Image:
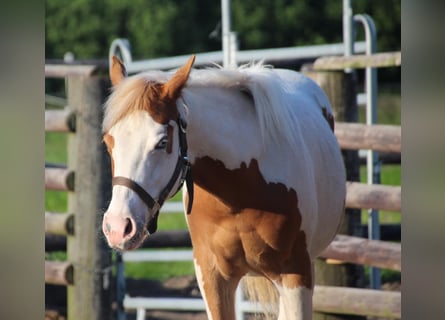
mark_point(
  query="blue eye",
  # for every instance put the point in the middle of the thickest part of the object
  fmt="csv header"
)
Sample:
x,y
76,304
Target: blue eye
x,y
162,144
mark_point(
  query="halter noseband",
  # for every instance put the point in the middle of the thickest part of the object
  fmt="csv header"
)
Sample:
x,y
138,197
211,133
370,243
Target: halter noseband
x,y
182,171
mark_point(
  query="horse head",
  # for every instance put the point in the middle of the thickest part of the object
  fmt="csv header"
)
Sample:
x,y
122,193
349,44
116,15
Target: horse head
x,y
145,137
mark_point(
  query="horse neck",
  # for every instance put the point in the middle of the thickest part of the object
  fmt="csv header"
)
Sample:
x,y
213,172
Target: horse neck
x,y
222,125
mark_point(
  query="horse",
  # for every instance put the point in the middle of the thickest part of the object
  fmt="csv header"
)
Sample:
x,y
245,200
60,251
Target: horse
x,y
264,177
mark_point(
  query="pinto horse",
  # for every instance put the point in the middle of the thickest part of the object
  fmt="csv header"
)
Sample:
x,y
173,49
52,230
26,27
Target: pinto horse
x,y
265,178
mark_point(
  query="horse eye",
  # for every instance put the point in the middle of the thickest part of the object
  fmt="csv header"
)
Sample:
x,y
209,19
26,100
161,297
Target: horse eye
x,y
162,144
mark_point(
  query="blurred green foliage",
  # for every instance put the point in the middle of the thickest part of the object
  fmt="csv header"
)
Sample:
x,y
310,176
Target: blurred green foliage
x,y
168,27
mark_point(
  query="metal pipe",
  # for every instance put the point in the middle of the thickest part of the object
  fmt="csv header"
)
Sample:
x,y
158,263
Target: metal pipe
x,y
233,50
122,45
372,159
245,56
225,16
348,30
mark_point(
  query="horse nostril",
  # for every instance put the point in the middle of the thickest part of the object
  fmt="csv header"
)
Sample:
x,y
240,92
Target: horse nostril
x,y
128,227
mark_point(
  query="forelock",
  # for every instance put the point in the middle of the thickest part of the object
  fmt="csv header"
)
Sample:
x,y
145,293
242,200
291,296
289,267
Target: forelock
x,y
132,94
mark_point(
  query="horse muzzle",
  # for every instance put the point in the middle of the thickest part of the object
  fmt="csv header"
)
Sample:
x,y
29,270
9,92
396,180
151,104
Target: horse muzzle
x,y
122,232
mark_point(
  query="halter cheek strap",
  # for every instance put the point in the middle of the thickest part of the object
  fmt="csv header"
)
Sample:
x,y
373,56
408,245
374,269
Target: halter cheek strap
x,y
187,168
182,171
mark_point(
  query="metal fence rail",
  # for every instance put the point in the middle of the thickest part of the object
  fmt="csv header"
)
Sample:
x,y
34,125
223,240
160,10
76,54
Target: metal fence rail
x,y
244,56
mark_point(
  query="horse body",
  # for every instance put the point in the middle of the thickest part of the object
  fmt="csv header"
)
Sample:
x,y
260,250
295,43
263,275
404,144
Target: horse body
x,y
269,182
227,119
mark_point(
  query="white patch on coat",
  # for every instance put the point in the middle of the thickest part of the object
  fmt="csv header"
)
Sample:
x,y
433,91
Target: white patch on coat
x,y
295,303
200,280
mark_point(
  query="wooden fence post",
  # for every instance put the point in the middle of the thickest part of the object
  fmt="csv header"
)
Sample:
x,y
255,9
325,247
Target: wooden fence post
x,y
90,296
340,87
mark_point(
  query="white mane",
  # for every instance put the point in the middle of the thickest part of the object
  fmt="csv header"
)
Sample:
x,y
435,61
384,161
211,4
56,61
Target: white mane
x,y
279,117
276,116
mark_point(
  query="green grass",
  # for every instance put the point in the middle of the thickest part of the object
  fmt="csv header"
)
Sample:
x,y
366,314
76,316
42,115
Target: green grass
x,y
388,109
55,147
56,152
386,275
56,256
56,201
158,270
172,221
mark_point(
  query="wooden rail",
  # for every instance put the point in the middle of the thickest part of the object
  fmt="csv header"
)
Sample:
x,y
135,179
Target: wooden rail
x,y
59,223
59,272
381,254
63,70
377,60
60,179
60,120
356,136
380,197
354,301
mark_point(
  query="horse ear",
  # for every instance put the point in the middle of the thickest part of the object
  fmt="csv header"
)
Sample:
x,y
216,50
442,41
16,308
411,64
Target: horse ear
x,y
172,89
117,71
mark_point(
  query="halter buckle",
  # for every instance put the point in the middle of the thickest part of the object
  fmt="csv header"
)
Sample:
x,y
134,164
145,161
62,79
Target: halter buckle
x,y
156,206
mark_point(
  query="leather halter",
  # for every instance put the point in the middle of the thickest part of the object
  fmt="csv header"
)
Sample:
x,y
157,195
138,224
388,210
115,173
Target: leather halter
x,y
182,171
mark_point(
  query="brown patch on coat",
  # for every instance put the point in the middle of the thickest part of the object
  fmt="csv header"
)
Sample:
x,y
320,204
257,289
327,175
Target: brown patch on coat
x,y
141,95
248,224
173,88
109,142
329,118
